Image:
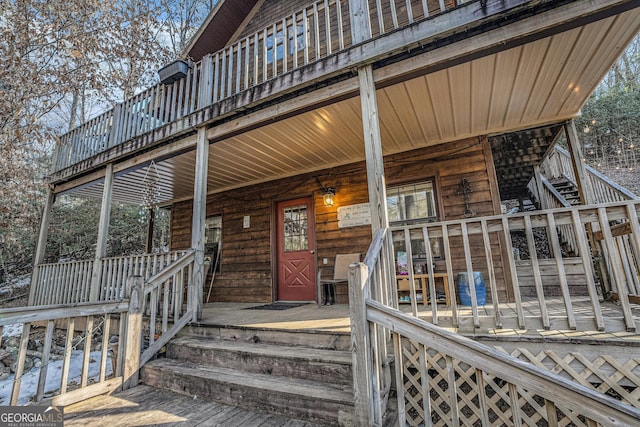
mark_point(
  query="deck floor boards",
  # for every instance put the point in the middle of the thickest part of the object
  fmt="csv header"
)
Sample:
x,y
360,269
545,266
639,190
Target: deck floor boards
x,y
335,318
148,406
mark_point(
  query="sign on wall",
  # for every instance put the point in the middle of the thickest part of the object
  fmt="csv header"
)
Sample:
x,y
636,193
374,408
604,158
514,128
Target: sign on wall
x,y
354,215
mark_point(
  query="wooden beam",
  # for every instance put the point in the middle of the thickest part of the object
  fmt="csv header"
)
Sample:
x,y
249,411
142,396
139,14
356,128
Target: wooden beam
x,y
373,151
582,180
199,217
103,232
42,242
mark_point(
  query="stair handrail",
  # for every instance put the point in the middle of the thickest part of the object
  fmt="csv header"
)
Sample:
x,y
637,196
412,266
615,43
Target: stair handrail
x,y
559,198
372,321
556,390
170,270
165,292
596,177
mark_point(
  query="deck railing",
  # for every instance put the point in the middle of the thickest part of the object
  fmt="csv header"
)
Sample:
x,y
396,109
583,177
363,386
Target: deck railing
x,y
558,164
445,379
541,270
310,34
85,367
106,343
70,282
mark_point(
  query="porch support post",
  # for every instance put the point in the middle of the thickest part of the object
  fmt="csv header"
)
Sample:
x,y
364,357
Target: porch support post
x,y
386,291
585,190
360,26
42,243
582,180
103,233
373,151
199,217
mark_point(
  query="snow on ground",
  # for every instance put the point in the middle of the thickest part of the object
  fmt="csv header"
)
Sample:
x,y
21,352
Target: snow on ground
x,y
18,282
54,373
11,330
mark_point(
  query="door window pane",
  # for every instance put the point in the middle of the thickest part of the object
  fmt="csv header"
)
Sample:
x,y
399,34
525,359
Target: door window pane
x,y
295,228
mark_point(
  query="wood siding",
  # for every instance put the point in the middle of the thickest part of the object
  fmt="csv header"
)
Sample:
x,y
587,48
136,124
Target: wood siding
x,y
247,271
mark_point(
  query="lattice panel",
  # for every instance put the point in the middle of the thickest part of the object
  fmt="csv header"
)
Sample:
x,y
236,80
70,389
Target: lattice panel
x,y
604,373
464,403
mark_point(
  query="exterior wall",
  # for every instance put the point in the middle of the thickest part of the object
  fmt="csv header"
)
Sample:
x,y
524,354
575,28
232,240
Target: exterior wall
x,y
247,270
269,12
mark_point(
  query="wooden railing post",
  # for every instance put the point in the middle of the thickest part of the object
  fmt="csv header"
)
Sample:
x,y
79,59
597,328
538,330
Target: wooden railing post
x,y
42,243
359,15
360,344
133,339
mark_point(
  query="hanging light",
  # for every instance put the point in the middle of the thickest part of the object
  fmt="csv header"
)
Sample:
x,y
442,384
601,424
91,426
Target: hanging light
x,y
328,193
328,196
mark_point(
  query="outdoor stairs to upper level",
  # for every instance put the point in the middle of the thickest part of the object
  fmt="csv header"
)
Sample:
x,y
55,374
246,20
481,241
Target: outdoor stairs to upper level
x,y
300,374
567,189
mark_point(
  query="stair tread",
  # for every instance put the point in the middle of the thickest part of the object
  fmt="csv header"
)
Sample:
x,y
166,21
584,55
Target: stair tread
x,y
292,352
293,386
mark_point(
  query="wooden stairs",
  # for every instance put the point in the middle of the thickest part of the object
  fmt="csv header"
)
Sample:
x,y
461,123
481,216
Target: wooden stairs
x,y
567,189
304,375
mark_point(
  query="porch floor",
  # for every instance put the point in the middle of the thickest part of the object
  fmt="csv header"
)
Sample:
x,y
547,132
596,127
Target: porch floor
x,y
146,406
335,318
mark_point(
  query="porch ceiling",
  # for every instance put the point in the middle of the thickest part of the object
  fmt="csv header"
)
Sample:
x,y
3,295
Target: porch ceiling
x,y
538,83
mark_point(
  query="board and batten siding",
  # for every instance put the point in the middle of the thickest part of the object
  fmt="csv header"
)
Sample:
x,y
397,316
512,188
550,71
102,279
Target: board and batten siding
x,y
248,254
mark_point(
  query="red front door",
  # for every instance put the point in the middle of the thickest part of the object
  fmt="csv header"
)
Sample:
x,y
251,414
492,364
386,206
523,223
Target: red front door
x,y
296,249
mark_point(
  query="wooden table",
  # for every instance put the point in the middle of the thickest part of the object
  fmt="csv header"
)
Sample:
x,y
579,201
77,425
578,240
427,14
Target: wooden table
x,y
403,284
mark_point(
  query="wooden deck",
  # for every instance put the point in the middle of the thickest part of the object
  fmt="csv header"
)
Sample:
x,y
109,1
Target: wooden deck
x,y
144,405
335,318
147,406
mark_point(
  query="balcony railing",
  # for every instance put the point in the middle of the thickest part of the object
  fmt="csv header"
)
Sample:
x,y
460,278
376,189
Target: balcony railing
x,y
311,34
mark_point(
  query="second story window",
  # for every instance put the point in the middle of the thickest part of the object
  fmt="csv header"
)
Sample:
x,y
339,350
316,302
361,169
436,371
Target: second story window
x,y
295,43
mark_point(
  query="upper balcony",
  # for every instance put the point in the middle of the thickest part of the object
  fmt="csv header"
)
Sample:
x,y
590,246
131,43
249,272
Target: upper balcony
x,y
326,41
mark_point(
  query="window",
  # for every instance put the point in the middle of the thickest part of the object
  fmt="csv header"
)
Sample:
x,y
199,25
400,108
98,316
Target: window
x,y
409,203
295,43
212,239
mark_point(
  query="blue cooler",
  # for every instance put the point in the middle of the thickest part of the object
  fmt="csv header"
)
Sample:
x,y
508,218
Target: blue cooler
x,y
464,292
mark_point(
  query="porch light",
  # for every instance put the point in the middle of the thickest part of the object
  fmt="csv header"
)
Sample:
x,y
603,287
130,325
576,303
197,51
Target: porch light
x,y
328,196
328,193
